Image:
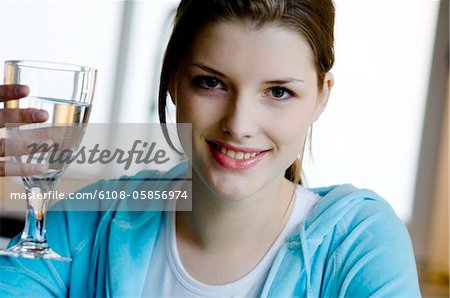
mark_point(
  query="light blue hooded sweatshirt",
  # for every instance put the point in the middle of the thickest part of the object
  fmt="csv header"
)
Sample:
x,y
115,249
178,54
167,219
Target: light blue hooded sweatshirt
x,y
350,245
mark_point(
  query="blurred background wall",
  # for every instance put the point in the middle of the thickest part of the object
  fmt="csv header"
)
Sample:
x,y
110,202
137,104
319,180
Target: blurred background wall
x,y
378,131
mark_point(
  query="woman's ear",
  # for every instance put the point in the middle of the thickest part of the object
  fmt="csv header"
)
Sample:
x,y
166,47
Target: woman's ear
x,y
324,94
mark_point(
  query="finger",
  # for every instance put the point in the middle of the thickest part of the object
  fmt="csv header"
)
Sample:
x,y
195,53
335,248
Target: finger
x,y
18,147
65,137
13,91
22,116
9,168
41,132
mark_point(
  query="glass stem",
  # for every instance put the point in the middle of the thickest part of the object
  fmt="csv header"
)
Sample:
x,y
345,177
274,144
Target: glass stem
x,y
34,230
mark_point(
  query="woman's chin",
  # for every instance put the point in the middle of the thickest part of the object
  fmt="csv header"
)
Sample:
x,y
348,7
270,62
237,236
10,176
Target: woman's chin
x,y
231,189
227,184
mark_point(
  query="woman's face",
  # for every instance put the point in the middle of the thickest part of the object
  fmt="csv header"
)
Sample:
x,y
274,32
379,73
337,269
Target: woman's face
x,y
251,95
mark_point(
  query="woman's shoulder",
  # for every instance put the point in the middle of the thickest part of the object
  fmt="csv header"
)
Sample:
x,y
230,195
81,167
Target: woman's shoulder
x,y
359,241
92,209
117,193
346,204
356,215
344,213
340,209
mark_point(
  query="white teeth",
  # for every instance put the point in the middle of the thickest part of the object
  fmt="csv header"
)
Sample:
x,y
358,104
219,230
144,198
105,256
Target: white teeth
x,y
237,155
231,153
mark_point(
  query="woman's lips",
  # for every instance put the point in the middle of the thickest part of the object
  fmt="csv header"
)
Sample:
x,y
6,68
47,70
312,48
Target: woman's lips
x,y
235,158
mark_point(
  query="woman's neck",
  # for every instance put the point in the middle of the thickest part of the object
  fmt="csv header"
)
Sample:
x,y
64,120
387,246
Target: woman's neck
x,y
216,223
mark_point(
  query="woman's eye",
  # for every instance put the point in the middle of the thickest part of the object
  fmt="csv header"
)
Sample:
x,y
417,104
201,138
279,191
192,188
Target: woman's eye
x,y
280,93
208,82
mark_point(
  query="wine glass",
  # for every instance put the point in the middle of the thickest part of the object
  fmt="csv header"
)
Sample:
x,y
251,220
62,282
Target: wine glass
x,y
65,91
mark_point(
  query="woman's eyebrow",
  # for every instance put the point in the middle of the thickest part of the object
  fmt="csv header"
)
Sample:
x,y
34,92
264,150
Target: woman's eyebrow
x,y
218,73
208,69
284,81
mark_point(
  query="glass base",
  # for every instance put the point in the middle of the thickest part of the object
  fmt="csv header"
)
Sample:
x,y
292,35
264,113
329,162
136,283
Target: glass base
x,y
32,250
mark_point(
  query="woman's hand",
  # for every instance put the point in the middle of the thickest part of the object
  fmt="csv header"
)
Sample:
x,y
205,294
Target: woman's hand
x,y
17,146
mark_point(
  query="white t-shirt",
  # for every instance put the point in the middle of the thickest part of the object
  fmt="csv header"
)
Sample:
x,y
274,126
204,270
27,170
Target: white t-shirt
x,y
167,277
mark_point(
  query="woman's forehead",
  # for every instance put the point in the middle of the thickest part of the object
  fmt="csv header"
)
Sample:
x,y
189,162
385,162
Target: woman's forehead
x,y
269,48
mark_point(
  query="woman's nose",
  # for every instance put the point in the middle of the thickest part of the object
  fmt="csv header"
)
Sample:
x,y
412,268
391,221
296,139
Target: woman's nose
x,y
240,119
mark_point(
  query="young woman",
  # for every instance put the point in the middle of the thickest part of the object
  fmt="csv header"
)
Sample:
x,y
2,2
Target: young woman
x,y
251,77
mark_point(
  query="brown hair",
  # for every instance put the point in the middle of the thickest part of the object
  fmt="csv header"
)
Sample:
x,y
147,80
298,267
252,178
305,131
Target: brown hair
x,y
313,19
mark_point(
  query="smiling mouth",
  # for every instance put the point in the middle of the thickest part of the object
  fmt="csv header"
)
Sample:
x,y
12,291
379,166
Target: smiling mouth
x,y
239,154
235,158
